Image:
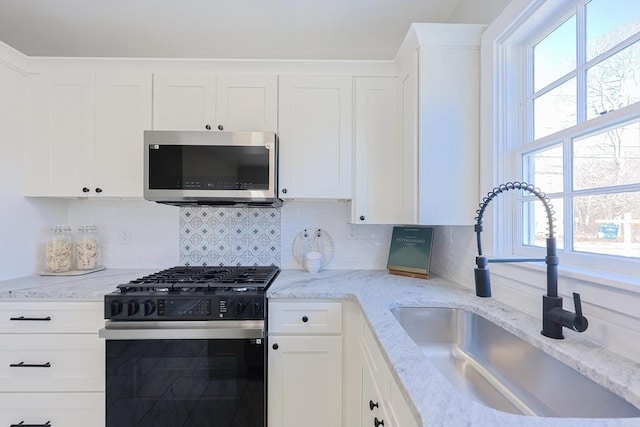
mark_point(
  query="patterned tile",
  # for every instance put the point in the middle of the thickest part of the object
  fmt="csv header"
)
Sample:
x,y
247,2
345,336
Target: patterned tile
x,y
229,236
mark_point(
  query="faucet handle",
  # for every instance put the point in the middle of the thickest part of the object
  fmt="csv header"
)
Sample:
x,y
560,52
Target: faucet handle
x,y
577,304
580,323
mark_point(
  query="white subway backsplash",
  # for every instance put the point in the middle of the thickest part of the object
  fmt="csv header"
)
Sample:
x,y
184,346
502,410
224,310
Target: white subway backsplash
x,y
157,240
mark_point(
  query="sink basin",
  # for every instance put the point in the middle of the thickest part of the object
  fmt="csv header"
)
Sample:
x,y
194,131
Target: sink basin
x,y
500,370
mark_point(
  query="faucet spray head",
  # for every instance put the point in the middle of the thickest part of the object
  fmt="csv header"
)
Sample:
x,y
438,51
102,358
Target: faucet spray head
x,y
482,276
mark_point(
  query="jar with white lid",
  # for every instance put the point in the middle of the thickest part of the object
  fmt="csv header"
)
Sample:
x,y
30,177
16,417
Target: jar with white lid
x,y
88,249
59,250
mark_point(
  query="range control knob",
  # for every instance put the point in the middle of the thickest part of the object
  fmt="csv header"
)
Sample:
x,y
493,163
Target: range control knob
x,y
115,308
236,308
254,309
149,307
132,307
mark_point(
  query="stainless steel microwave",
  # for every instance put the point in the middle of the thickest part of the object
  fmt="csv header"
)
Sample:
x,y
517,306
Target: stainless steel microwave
x,y
211,168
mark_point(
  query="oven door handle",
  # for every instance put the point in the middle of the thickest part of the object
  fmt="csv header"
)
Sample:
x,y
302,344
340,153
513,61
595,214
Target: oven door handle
x,y
177,330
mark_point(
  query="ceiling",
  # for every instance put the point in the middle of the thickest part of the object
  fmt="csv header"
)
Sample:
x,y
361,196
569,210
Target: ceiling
x,y
232,29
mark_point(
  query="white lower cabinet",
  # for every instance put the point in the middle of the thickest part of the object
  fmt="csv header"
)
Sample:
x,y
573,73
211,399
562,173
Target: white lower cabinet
x,y
304,364
51,364
381,401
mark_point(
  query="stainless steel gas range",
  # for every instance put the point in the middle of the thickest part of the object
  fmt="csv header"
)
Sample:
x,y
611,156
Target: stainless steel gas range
x,y
186,347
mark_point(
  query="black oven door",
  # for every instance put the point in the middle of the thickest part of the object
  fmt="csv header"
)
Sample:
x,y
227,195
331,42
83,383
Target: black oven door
x,y
191,382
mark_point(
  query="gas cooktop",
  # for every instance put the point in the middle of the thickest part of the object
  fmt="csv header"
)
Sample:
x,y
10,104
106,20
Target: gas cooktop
x,y
204,279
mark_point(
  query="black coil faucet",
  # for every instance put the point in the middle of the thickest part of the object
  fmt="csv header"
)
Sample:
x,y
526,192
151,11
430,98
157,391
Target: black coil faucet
x,y
554,317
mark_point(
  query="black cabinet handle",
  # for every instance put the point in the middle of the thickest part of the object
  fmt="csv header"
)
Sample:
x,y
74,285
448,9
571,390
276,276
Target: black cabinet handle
x,y
39,319
220,127
207,127
22,424
373,405
98,190
85,190
284,191
305,319
275,346
377,422
30,365
361,217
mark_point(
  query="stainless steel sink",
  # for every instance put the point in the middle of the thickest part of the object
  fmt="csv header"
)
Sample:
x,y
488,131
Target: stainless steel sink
x,y
500,370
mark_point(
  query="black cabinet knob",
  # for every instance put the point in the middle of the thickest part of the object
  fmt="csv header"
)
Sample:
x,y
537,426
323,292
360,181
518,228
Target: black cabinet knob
x,y
372,404
207,127
284,191
305,319
220,127
361,217
377,422
98,190
85,190
275,346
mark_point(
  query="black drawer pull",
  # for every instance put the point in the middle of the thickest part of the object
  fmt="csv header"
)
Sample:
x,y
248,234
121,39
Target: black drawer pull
x,y
41,319
377,422
373,405
30,365
22,424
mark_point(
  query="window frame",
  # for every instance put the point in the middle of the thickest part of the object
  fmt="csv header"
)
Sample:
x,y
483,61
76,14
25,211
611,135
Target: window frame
x,y
510,58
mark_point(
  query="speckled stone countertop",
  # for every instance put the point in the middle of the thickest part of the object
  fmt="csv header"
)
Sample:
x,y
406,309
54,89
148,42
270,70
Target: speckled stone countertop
x,y
435,402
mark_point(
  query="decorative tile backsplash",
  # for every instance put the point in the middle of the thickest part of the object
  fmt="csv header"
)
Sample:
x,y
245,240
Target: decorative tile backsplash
x,y
229,236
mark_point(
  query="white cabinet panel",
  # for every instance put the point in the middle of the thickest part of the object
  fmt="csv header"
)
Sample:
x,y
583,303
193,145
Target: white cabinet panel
x,y
183,101
247,103
18,317
315,125
377,163
60,409
305,386
60,154
307,318
61,362
123,112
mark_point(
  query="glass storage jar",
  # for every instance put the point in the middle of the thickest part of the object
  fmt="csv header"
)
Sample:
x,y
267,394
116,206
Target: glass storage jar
x,y
59,250
88,250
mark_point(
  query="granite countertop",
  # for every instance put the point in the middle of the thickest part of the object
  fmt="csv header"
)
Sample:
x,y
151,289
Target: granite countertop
x,y
435,402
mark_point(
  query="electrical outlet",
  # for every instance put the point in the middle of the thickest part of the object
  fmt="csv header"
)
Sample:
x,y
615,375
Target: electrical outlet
x,y
124,236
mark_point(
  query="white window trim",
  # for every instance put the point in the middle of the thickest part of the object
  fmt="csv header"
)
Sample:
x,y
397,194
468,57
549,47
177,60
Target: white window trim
x,y
498,84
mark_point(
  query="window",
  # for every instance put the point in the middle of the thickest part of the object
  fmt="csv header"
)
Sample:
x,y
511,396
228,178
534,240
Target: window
x,y
579,133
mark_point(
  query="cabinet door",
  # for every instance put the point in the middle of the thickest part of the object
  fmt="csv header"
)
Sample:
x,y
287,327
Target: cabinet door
x,y
60,154
377,152
247,102
407,189
183,101
123,112
372,403
315,137
305,381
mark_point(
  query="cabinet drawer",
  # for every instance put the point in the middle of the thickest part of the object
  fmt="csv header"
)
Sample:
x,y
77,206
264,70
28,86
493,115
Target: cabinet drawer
x,y
305,317
51,317
60,409
44,363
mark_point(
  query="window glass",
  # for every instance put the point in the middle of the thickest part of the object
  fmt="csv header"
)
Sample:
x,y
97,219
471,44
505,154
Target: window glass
x,y
555,55
536,224
607,158
544,169
614,83
609,22
555,110
607,224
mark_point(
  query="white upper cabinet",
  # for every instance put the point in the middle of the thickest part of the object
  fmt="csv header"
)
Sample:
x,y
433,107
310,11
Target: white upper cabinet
x,y
377,161
123,112
204,101
85,133
315,126
61,125
439,68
